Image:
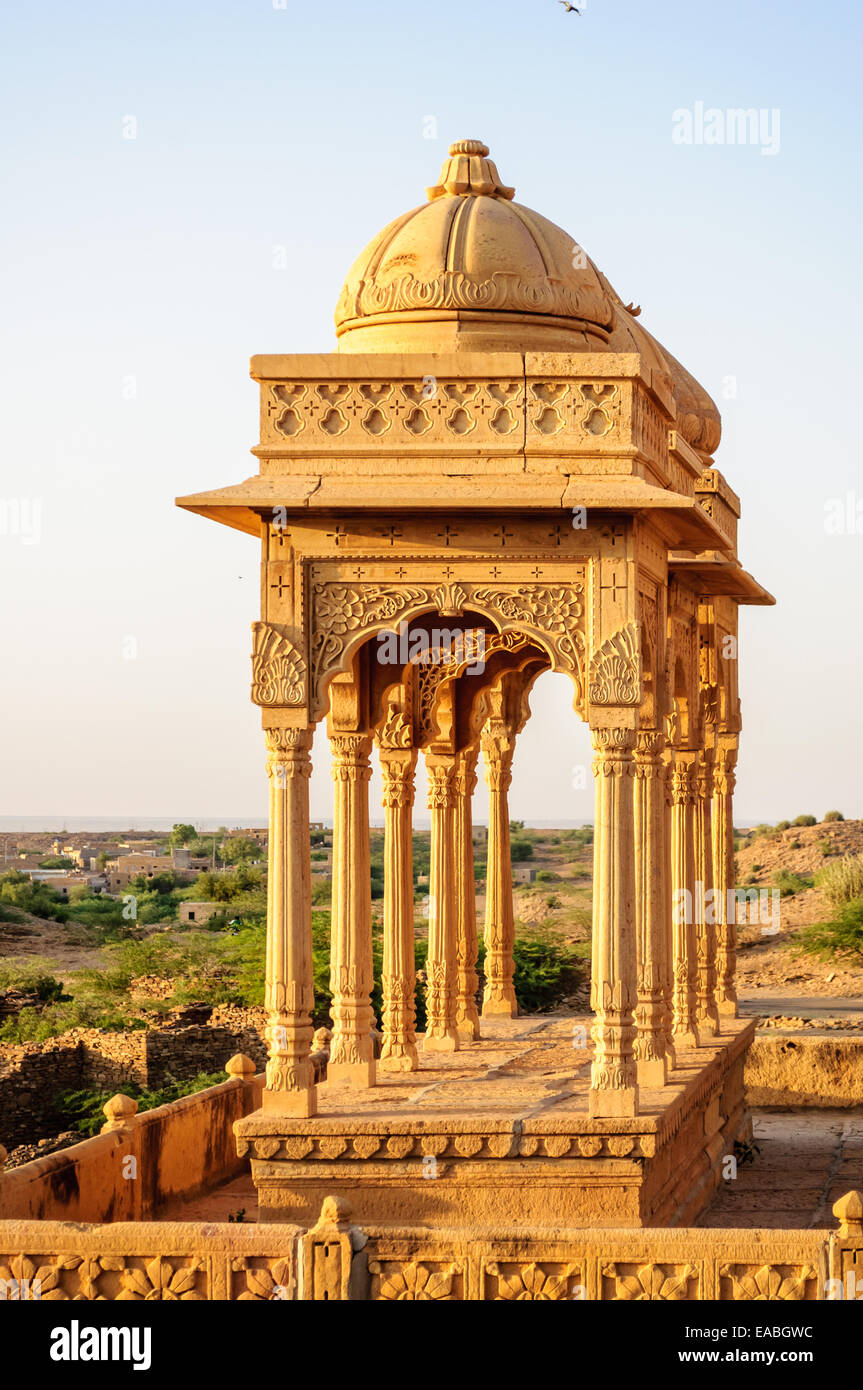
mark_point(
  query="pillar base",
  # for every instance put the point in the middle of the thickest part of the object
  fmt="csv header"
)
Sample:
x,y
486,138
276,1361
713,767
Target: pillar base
x,y
405,1059
499,1008
613,1105
686,1040
442,1042
352,1073
468,1029
303,1103
652,1073
727,1008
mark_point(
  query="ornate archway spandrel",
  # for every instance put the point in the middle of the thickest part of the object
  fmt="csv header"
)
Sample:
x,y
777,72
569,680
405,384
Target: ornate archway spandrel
x,y
279,669
615,669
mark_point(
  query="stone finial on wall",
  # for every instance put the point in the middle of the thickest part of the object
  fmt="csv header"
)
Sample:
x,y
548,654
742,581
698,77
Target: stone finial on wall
x,y
119,1112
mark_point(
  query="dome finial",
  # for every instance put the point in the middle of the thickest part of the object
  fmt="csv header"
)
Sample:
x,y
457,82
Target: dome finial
x,y
469,171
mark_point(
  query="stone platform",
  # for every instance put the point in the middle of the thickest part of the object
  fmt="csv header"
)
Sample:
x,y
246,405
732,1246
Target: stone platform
x,y
500,1132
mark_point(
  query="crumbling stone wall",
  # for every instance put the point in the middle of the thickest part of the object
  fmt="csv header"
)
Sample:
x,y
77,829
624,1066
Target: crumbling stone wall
x,y
32,1074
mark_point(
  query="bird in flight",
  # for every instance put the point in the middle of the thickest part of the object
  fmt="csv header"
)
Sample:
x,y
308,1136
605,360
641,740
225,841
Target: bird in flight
x,y
570,8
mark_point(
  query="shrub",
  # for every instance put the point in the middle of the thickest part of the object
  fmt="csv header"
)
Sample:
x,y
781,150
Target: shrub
x,y
322,892
546,970
520,850
83,1109
842,881
783,825
834,816
804,820
844,934
789,883
547,876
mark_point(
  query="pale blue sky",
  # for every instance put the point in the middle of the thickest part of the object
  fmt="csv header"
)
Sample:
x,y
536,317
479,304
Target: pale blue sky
x,y
147,264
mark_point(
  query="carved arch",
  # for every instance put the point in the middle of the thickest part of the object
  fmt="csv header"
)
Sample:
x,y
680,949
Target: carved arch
x,y
343,617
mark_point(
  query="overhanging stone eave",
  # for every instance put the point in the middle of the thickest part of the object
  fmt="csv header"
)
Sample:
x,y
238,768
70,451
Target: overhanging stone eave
x,y
722,577
684,523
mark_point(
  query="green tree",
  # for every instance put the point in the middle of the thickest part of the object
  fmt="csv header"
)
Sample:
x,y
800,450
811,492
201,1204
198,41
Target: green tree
x,y
238,848
181,835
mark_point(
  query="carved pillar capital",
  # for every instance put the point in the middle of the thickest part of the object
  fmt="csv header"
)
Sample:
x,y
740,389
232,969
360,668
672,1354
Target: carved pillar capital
x,y
613,749
498,746
397,770
351,753
649,746
680,782
441,783
289,752
465,775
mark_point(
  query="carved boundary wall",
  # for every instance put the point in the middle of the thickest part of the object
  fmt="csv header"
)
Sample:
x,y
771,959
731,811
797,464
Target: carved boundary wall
x,y
339,1260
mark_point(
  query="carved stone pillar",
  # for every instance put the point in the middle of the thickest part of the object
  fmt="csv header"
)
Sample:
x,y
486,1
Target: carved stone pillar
x,y
441,1030
614,1079
705,908
651,899
351,978
399,1049
681,792
466,1013
498,998
723,868
289,992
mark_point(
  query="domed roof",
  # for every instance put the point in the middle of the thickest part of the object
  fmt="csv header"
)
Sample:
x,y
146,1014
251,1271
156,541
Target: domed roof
x,y
471,269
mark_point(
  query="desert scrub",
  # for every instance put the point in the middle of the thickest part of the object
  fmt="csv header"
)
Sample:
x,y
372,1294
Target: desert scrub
x,y
841,936
547,969
842,881
789,883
